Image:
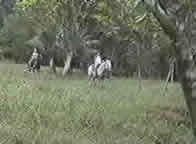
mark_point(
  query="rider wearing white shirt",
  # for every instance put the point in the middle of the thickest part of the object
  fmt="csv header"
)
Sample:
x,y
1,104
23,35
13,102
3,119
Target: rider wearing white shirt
x,y
97,61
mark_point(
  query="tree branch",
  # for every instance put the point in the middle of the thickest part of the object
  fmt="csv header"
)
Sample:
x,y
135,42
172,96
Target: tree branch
x,y
168,27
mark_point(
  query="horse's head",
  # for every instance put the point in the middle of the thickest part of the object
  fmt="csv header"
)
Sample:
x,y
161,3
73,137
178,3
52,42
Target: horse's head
x,y
108,65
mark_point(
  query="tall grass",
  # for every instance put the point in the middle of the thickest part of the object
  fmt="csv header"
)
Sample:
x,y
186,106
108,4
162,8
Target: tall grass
x,y
46,109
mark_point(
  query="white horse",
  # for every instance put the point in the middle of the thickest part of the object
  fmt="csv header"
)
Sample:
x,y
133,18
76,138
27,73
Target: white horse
x,y
104,69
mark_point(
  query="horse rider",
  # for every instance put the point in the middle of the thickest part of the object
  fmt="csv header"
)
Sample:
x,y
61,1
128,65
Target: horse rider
x,y
34,58
97,62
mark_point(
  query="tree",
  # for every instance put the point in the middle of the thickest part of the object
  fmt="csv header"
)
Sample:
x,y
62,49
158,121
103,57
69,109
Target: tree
x,y
70,17
104,25
14,35
73,16
6,7
176,19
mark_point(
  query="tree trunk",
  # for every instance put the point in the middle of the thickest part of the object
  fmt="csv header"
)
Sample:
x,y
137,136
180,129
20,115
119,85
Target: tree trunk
x,y
52,65
6,8
139,66
67,63
187,70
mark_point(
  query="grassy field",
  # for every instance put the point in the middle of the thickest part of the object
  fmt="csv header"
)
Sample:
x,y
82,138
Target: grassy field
x,y
46,109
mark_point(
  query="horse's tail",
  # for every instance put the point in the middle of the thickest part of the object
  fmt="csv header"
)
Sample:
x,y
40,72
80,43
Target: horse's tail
x,y
90,70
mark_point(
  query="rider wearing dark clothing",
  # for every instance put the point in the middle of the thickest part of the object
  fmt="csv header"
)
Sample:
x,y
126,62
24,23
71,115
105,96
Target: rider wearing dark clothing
x,y
34,62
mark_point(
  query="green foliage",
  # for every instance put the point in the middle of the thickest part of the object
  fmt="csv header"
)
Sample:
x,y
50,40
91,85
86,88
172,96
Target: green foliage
x,y
121,21
16,31
6,8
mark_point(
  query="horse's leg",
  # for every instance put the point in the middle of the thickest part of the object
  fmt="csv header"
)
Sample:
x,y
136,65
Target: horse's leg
x,y
38,71
108,75
34,67
89,80
101,82
95,79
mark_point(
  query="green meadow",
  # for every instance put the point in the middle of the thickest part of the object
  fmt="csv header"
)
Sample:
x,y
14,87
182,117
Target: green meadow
x,y
42,108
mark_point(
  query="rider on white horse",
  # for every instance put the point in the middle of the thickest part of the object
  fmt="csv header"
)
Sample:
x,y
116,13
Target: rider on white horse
x,y
97,62
102,70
